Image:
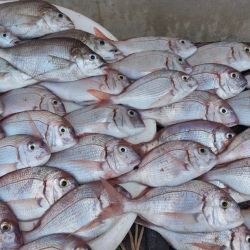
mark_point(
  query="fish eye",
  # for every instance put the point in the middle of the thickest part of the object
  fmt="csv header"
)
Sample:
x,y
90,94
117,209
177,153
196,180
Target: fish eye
x,y
248,238
185,78
4,35
92,57
115,50
229,135
102,42
247,49
62,129
233,75
131,113
223,110
224,204
122,149
5,226
182,41
202,151
55,102
63,183
60,15
180,59
31,146
121,77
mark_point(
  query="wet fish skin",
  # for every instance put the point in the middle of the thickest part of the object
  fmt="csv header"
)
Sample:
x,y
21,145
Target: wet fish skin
x,y
213,135
56,131
55,59
181,47
199,105
115,120
31,19
140,64
157,89
7,38
233,54
31,98
112,83
96,157
222,80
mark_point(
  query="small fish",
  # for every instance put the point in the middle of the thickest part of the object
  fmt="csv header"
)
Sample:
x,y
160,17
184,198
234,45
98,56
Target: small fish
x,y
30,192
157,89
213,135
55,59
232,54
10,234
115,120
171,164
7,38
21,151
82,90
221,80
140,64
241,106
199,105
103,47
181,47
56,131
31,98
31,19
57,241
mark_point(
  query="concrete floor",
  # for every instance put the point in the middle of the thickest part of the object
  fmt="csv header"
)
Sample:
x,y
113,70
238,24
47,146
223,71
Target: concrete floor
x,y
198,20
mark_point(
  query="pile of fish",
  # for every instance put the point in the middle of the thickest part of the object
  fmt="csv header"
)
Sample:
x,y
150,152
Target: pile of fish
x,y
93,130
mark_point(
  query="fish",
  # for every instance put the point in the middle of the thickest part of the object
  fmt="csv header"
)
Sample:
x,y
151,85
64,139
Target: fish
x,y
199,105
55,59
236,238
213,135
221,80
96,157
232,54
31,19
57,241
156,89
103,47
30,192
81,91
56,131
181,47
241,105
10,234
31,98
115,120
140,64
171,164
21,151
7,38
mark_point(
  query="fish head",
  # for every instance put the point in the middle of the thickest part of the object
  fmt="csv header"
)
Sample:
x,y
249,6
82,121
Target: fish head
x,y
53,104
240,56
57,21
179,63
221,211
183,48
7,38
33,152
240,238
184,81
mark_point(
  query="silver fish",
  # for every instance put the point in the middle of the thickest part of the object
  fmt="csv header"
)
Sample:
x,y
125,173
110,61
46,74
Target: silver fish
x,y
213,135
31,98
96,157
199,105
140,64
55,59
115,120
103,47
171,164
181,47
30,19
21,151
53,129
157,89
7,38
222,80
232,54
82,90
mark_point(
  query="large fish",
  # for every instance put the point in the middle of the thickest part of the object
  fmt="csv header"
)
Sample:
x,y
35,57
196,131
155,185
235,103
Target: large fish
x,y
55,59
219,79
7,38
100,46
56,131
82,90
140,64
21,151
213,135
96,157
30,19
181,47
232,54
10,234
116,120
199,105
157,89
171,164
31,98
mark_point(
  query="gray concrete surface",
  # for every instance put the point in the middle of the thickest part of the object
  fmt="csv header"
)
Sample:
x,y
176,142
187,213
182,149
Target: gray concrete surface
x,y
198,20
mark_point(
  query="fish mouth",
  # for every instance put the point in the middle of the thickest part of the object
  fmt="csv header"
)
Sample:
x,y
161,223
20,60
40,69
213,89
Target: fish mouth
x,y
135,162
